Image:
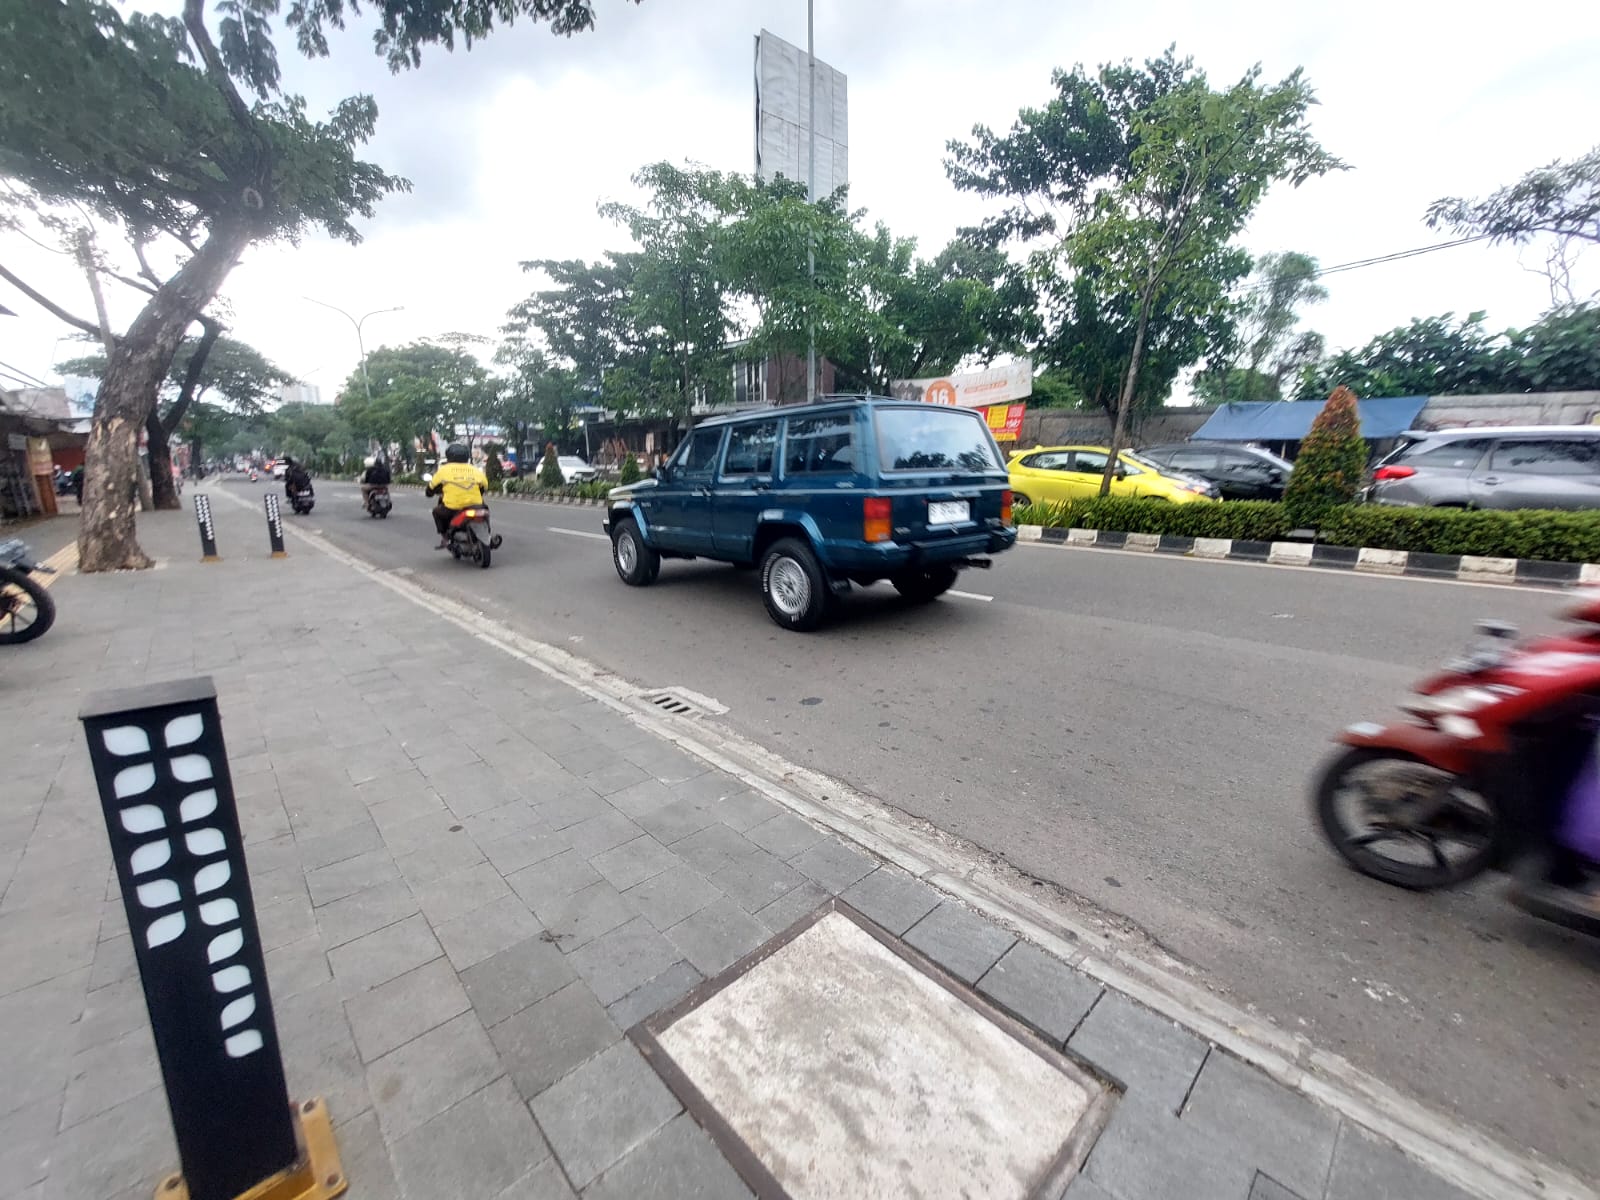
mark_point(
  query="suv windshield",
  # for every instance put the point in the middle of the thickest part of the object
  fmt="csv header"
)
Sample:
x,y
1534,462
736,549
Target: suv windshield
x,y
935,439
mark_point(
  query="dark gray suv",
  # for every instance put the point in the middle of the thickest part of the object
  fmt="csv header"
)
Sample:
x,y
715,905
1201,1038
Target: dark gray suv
x,y
1532,466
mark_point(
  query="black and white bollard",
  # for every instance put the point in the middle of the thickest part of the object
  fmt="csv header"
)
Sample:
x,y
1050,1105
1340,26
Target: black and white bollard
x,y
275,526
208,529
162,772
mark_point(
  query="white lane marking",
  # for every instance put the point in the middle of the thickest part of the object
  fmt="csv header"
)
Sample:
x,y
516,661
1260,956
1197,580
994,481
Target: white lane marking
x,y
970,595
577,532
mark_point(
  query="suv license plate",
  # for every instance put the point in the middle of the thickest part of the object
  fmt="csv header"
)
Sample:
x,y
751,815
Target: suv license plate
x,y
948,512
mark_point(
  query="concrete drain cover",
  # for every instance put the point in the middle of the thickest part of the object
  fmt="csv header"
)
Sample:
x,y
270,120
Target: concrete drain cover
x,y
836,1062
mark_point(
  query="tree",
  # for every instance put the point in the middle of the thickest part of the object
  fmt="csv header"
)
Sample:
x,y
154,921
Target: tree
x,y
1267,346
317,434
159,142
1332,462
630,469
236,373
550,475
1560,201
416,389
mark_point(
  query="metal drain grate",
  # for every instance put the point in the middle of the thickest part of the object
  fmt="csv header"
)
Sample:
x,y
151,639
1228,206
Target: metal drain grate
x,y
681,702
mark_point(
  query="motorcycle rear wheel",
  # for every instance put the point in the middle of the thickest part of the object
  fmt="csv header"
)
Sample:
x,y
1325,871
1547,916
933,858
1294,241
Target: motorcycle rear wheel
x,y
20,595
1425,810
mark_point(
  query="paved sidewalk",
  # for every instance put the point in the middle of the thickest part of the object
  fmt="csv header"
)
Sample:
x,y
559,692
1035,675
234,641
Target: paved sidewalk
x,y
468,892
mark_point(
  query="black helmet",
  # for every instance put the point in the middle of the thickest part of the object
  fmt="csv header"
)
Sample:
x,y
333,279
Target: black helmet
x,y
456,452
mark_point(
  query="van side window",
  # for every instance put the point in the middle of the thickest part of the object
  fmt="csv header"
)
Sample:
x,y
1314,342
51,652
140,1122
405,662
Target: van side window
x,y
820,445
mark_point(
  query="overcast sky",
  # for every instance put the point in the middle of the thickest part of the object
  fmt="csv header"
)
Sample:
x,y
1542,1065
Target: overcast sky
x,y
511,147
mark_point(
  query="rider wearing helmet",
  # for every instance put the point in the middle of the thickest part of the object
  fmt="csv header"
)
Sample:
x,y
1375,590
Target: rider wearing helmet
x,y
376,475
458,484
296,478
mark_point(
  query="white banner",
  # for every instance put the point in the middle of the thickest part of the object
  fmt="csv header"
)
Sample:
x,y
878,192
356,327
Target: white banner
x,y
976,389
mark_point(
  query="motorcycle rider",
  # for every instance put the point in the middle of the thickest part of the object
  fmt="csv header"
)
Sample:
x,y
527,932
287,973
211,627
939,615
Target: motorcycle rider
x,y
296,478
458,484
376,475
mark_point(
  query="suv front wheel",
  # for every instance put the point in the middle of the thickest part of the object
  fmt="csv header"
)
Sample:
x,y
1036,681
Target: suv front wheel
x,y
636,563
794,587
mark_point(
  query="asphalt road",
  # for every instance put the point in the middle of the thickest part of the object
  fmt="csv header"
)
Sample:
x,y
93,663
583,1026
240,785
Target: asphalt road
x,y
1140,730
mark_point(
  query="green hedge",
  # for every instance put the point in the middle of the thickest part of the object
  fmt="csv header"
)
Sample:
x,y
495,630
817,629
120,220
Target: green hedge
x,y
1523,533
598,490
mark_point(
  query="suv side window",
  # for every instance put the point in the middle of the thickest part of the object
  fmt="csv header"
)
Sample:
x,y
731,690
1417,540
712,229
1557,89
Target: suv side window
x,y
700,455
1548,456
1461,454
822,445
750,450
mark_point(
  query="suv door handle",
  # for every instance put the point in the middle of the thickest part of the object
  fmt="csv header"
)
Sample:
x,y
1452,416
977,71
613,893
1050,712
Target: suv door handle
x,y
702,491
761,487
1490,480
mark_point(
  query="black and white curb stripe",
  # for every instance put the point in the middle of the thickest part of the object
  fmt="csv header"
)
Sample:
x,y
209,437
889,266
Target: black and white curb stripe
x,y
1467,568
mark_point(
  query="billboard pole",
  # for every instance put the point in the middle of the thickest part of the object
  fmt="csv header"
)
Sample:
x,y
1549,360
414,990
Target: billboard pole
x,y
811,195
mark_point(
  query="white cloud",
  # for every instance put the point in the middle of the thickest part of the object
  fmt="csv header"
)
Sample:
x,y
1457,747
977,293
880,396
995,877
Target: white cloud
x,y
510,148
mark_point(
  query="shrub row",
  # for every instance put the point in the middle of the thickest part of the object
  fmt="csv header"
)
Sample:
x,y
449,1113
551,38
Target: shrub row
x,y
598,490
1522,533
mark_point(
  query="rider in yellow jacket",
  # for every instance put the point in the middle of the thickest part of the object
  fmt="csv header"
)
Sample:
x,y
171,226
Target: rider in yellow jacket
x,y
458,484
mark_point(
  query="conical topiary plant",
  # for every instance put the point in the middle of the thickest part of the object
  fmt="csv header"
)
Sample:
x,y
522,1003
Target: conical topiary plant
x,y
1332,462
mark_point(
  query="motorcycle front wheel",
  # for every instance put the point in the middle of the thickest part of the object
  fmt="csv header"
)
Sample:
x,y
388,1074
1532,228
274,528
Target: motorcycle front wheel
x,y
26,609
1400,820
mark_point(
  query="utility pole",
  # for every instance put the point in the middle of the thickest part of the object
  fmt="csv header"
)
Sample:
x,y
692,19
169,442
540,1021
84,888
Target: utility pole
x,y
811,197
360,345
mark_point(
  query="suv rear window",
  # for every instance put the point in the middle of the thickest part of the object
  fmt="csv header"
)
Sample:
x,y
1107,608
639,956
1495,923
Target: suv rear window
x,y
935,439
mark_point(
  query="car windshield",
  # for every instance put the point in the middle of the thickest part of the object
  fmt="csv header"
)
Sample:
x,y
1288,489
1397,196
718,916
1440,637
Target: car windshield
x,y
935,439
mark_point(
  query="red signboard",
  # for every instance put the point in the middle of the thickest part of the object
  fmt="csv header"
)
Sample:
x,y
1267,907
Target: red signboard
x,y
1005,421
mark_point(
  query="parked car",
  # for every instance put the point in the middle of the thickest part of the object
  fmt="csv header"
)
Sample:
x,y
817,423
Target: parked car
x,y
1057,473
1239,472
821,496
280,469
575,470
1531,466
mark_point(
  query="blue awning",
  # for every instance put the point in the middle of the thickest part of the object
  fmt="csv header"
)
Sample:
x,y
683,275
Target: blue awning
x,y
1290,420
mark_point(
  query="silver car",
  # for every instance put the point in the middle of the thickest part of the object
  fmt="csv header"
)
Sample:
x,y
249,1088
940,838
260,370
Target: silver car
x,y
1531,466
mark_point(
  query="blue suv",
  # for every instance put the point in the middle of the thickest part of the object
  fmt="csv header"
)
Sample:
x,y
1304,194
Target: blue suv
x,y
820,496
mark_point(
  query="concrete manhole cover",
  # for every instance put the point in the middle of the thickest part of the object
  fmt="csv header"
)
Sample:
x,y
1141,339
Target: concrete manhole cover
x,y
836,1063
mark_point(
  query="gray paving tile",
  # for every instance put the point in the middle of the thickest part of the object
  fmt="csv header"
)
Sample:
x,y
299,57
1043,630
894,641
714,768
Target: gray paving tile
x,y
1264,1187
383,954
582,917
104,1076
416,1082
1084,1188
1041,991
603,1110
1286,1135
535,844
349,876
297,967
546,884
708,787
547,1039
478,1147
570,804
326,849
359,914
653,995
714,847
717,936
756,879
430,830
547,1181
671,823
112,1152
487,931
666,763
507,982
1364,1167
892,898
633,862
114,1010
744,810
1144,1152
960,941
365,1157
671,896
614,776
792,906
617,962
643,797
601,832
1151,1056
451,896
393,1013
679,1160
438,859
785,835
834,865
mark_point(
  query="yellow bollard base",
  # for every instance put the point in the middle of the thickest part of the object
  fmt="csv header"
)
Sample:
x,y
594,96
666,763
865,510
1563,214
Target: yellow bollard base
x,y
211,558
316,1176
280,554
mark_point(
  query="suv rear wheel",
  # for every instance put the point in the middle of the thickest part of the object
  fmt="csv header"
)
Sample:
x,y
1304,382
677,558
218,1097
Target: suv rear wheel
x,y
794,587
637,565
922,586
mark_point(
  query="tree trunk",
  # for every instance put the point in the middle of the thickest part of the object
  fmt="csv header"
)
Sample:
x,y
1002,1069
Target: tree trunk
x,y
1130,381
107,539
163,494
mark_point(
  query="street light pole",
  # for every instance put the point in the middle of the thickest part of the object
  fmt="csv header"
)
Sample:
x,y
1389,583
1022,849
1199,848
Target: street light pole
x,y
811,197
361,346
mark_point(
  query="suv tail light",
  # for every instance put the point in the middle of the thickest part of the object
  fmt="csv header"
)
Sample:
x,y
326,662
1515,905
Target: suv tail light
x,y
1384,473
875,526
1005,507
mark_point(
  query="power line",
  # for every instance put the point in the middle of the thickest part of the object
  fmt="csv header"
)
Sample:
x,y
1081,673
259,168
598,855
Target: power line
x,y
21,376
1378,260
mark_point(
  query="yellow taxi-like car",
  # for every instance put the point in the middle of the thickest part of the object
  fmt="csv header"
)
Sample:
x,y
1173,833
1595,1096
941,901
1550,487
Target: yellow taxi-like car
x,y
1056,473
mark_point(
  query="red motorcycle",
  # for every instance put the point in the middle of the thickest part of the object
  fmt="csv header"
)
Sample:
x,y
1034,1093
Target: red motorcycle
x,y
1483,776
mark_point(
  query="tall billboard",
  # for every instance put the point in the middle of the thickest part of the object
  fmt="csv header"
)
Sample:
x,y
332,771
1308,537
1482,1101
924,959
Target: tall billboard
x,y
783,116
974,389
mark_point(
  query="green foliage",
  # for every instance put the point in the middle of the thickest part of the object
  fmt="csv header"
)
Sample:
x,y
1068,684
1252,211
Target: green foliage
x,y
1332,462
1247,520
416,389
594,490
1439,356
1265,347
1561,199
492,468
239,375
550,470
630,469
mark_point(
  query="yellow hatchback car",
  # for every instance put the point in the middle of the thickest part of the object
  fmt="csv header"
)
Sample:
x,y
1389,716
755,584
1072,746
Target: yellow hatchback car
x,y
1056,473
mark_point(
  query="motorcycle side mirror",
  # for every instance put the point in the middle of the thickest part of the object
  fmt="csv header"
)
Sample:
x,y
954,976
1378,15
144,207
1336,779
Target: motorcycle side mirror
x,y
427,478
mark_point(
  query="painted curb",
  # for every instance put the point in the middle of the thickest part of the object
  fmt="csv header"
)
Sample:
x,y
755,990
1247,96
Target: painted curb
x,y
1463,568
